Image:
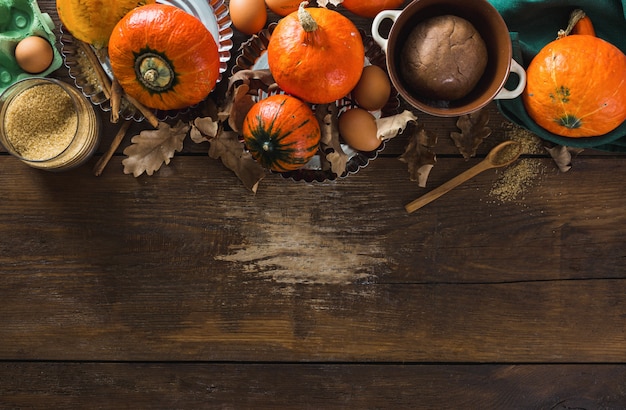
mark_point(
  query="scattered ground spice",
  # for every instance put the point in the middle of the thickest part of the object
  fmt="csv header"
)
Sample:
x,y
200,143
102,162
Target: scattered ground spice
x,y
514,180
530,143
41,122
507,154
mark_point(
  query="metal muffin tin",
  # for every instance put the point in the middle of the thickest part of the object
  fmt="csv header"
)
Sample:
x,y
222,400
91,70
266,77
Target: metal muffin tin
x,y
253,55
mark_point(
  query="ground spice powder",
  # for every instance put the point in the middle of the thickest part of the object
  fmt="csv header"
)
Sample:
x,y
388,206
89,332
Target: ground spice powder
x,y
41,122
515,180
507,154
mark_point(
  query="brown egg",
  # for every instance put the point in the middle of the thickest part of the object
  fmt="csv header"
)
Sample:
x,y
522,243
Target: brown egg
x,y
34,54
248,16
358,129
373,89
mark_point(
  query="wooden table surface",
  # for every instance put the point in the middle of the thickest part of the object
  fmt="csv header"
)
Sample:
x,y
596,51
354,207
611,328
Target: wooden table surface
x,y
185,290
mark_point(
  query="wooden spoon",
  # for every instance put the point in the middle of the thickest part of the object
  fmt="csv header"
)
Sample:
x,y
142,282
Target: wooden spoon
x,y
501,155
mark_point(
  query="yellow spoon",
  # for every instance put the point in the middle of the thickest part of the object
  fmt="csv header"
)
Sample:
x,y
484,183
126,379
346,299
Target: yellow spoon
x,y
501,155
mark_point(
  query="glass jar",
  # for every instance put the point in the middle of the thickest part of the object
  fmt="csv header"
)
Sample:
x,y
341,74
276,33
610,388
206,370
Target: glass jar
x,y
48,124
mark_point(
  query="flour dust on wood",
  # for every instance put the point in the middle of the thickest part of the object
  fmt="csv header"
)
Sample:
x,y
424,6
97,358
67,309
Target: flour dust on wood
x,y
292,249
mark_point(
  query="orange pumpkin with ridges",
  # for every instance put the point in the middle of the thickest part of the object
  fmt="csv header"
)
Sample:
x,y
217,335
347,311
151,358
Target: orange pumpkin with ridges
x,y
164,57
316,54
92,21
576,86
281,133
370,8
283,7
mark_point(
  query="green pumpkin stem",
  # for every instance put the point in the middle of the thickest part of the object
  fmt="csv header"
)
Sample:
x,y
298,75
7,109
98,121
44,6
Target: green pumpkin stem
x,y
306,20
154,72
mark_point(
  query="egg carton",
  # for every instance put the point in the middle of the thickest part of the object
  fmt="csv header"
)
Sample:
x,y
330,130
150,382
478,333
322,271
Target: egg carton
x,y
20,19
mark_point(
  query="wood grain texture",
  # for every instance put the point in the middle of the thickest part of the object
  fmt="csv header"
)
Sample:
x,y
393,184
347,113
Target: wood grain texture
x,y
187,265
297,386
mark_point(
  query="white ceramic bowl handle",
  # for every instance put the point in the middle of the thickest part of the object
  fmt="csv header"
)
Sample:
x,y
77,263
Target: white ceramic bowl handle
x,y
385,14
505,94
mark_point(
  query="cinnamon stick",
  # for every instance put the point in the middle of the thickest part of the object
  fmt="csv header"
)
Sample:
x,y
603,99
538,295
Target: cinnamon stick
x,y
150,116
117,140
116,100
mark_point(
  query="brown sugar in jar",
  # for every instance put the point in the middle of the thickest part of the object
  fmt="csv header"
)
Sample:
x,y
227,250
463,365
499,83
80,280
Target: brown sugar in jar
x,y
48,124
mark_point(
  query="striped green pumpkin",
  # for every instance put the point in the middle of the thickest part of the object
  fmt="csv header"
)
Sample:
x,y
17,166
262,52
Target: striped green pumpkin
x,y
281,133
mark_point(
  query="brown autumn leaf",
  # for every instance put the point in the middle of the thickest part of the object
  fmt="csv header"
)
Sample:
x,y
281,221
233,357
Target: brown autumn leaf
x,y
473,131
389,127
203,129
562,155
226,146
334,156
419,155
243,87
153,148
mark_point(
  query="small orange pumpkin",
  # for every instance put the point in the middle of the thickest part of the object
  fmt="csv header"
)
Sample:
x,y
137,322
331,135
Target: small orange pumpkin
x,y
283,7
281,133
164,57
92,21
370,8
576,86
316,54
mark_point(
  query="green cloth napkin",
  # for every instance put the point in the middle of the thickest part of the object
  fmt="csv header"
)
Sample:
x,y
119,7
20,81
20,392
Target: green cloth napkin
x,y
533,24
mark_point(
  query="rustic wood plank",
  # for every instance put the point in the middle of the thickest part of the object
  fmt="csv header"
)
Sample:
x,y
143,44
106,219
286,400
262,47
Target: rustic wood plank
x,y
160,320
228,297
270,386
188,265
559,213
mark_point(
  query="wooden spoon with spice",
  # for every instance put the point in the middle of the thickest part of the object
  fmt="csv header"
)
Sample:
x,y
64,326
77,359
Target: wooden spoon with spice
x,y
501,155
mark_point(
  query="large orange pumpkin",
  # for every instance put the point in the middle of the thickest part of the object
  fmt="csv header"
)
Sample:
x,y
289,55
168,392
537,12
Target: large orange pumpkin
x,y
576,87
164,57
370,8
281,133
316,54
92,21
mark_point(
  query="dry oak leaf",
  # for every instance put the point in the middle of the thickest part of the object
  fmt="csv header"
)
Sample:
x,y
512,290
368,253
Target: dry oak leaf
x,y
226,146
203,129
334,156
562,155
153,148
419,155
389,127
473,131
243,87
